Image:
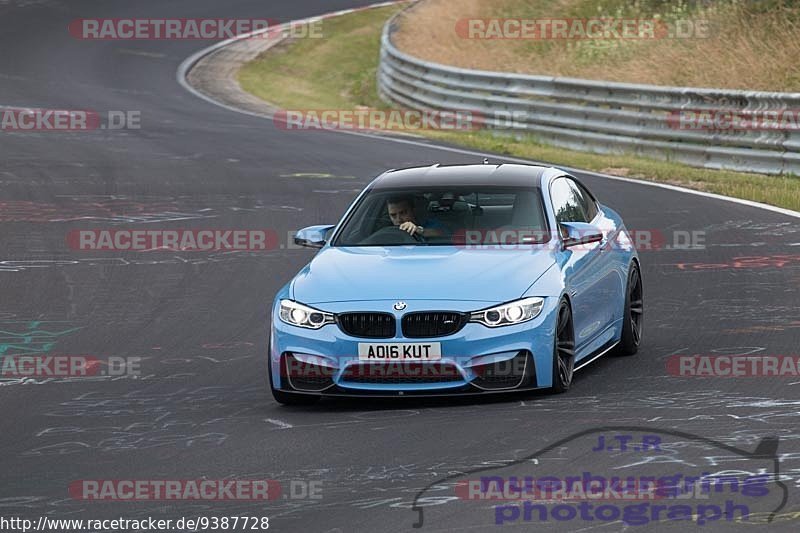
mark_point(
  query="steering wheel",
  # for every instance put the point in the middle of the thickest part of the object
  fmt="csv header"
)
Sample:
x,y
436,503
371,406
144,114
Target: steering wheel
x,y
391,235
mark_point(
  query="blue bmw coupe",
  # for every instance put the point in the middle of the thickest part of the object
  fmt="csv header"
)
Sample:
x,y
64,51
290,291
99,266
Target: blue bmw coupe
x,y
458,279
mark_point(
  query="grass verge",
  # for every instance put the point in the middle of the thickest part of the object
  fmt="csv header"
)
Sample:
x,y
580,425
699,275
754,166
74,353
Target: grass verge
x,y
729,44
338,72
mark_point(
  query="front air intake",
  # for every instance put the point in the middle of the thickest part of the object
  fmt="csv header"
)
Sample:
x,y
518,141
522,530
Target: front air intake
x,y
429,324
367,325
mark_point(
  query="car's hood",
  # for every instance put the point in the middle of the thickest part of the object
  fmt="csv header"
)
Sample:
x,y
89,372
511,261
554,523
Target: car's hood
x,y
419,273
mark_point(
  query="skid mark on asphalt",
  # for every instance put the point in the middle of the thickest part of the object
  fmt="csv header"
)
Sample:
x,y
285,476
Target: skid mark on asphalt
x,y
317,175
30,337
134,52
771,229
139,420
281,424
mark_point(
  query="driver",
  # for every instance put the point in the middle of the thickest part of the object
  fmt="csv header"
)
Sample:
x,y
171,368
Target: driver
x,y
401,213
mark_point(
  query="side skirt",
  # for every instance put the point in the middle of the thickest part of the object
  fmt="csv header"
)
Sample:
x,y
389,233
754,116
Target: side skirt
x,y
600,354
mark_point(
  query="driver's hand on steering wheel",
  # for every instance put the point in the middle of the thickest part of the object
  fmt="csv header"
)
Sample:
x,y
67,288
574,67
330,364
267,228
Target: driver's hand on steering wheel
x,y
411,228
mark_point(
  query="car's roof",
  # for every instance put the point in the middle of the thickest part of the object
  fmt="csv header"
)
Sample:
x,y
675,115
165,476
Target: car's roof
x,y
504,175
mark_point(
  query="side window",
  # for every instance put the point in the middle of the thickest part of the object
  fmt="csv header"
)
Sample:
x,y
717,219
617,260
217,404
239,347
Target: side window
x,y
566,202
588,204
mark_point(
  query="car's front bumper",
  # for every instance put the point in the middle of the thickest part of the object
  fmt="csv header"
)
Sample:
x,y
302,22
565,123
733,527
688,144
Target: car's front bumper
x,y
476,359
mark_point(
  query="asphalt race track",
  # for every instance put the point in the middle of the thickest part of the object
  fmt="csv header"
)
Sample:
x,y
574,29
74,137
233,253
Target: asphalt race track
x,y
200,408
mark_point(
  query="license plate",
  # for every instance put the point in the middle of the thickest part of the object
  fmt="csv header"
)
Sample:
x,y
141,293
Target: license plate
x,y
399,351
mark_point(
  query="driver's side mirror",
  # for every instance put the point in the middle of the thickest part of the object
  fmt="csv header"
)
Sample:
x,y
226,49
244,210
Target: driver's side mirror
x,y
575,233
313,236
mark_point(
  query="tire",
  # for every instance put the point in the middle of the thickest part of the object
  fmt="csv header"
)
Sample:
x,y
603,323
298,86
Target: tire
x,y
563,350
287,398
632,318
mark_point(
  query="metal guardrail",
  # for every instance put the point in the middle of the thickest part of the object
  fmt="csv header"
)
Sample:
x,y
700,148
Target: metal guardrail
x,y
596,116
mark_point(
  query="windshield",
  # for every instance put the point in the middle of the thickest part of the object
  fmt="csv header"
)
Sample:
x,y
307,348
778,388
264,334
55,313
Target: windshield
x,y
446,216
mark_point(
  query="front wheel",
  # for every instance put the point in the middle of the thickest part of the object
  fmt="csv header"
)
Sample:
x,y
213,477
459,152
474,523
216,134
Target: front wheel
x,y
633,315
563,350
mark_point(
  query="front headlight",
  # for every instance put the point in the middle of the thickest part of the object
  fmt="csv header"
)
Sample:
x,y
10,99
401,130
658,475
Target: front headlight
x,y
303,316
509,313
